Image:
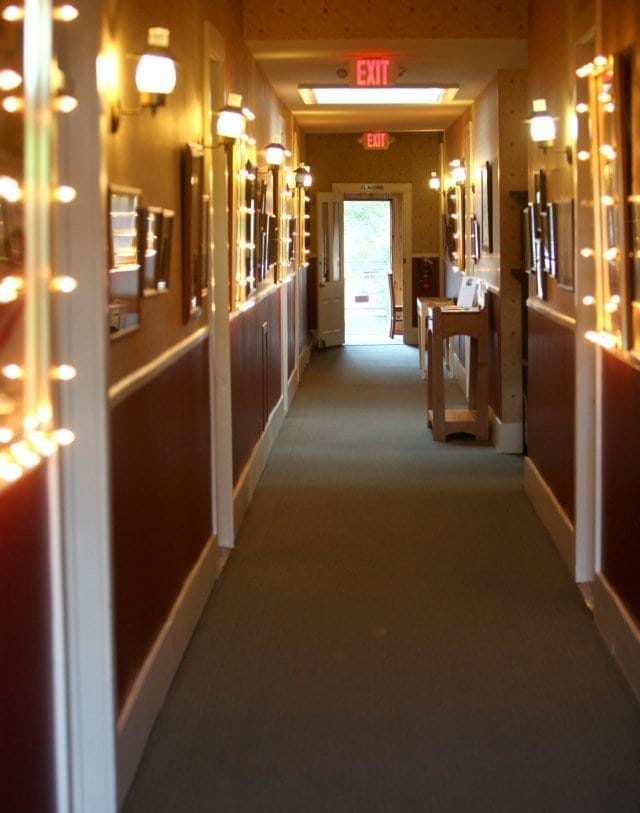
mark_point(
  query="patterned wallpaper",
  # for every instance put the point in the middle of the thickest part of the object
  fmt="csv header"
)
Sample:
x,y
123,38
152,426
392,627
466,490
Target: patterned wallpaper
x,y
349,19
339,158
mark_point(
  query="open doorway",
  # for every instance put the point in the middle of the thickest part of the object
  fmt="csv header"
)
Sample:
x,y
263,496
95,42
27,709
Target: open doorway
x,y
368,262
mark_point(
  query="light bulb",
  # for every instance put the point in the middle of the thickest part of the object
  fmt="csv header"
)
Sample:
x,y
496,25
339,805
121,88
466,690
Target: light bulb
x,y
607,200
608,152
27,457
65,194
65,103
582,107
13,13
10,189
583,155
63,284
13,372
64,437
63,372
65,13
12,104
9,79
610,254
586,252
10,471
6,434
588,300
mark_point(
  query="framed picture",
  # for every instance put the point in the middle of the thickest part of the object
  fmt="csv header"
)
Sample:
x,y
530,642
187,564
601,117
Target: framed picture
x,y
192,229
486,206
164,250
125,287
250,207
563,211
528,239
475,239
150,225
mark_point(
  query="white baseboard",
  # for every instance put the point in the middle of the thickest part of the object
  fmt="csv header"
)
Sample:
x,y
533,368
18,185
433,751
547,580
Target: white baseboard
x,y
154,679
304,357
292,386
551,513
619,630
250,477
506,437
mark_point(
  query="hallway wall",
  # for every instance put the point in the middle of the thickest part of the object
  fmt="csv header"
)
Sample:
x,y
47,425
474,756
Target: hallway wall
x,y
159,374
340,158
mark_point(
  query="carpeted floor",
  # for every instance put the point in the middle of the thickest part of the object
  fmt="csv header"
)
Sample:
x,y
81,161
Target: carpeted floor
x,y
394,632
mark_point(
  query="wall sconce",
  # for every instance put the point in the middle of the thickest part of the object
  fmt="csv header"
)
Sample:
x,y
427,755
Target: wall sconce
x,y
458,172
155,76
542,127
303,176
274,154
232,122
434,182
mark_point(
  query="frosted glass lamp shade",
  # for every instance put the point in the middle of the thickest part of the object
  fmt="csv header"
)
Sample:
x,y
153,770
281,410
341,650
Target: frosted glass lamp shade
x,y
156,71
155,74
274,155
231,123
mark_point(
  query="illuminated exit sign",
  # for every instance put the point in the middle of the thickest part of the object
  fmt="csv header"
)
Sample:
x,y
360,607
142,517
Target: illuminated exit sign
x,y
375,141
373,72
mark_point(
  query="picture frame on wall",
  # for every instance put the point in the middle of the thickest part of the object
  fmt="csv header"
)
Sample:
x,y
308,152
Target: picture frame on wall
x,y
124,278
564,218
164,252
486,207
149,245
193,204
528,239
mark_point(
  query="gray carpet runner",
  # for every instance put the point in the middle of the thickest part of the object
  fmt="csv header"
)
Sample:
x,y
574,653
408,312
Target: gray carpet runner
x,y
393,633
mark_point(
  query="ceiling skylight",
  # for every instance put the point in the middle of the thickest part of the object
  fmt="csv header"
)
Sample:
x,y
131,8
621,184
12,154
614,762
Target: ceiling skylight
x,y
394,94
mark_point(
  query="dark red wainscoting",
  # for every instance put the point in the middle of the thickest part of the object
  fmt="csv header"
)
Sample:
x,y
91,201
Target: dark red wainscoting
x,y
620,481
26,711
495,354
255,374
161,493
550,406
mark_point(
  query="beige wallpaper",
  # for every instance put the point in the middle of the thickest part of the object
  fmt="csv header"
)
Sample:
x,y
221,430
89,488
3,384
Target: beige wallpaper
x,y
348,19
551,77
339,158
145,152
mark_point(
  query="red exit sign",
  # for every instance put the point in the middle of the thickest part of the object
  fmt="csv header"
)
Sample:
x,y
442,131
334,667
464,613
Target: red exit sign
x,y
373,72
375,141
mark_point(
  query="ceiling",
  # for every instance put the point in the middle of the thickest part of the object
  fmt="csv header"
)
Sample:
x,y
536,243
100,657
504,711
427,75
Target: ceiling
x,y
470,64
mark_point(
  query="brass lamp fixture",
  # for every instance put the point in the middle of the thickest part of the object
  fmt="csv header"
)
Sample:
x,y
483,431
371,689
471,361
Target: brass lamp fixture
x,y
542,128
303,176
155,76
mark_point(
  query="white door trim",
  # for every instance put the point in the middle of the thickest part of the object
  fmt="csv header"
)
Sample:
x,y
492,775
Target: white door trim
x,y
81,339
220,340
410,333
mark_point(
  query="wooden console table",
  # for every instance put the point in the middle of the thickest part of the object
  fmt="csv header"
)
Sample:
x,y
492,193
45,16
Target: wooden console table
x,y
443,322
423,303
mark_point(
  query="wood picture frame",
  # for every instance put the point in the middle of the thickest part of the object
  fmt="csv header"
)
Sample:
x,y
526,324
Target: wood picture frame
x,y
193,219
486,207
564,217
124,278
149,245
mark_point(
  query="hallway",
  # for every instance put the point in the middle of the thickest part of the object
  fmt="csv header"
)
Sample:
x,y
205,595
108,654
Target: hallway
x,y
394,632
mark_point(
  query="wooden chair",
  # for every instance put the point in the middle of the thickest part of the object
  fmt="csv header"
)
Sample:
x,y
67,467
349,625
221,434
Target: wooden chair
x,y
396,316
